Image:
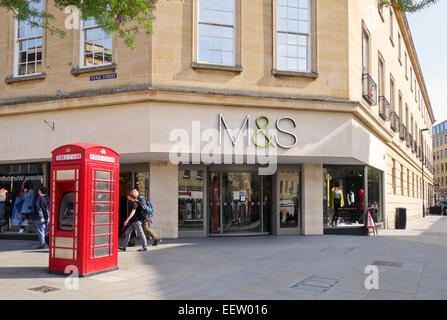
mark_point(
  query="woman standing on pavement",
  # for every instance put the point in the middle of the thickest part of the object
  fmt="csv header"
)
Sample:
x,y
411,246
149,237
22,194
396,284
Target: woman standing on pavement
x,y
134,222
28,203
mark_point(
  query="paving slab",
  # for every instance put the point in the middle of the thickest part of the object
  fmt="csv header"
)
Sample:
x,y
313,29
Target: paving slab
x,y
413,267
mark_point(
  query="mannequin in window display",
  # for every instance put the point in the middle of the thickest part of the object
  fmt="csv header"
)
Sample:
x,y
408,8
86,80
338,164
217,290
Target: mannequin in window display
x,y
352,203
361,205
337,202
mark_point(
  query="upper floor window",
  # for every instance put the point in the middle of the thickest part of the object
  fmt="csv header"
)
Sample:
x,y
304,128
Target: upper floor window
x,y
399,47
391,25
294,35
392,93
216,32
365,55
406,65
380,86
96,45
28,44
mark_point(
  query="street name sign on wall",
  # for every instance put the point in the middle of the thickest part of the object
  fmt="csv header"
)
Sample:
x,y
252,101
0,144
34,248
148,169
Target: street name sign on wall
x,y
106,76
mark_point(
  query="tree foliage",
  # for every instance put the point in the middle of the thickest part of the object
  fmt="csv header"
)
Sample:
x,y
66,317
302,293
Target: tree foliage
x,y
126,16
406,5
122,16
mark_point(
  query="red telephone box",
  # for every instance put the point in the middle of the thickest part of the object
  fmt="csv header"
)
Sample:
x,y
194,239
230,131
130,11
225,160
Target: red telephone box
x,y
84,208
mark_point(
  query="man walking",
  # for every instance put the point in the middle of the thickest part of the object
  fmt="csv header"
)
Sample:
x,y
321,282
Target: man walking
x,y
146,223
43,216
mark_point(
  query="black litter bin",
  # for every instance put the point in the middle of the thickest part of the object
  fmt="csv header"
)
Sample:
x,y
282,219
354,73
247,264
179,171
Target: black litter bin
x,y
401,218
436,210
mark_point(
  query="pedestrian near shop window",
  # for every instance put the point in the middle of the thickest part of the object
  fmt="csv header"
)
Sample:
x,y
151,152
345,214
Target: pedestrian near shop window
x,y
134,222
28,201
3,193
16,219
42,216
147,223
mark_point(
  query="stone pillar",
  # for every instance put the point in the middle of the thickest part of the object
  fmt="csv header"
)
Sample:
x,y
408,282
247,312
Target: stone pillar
x,y
163,194
312,199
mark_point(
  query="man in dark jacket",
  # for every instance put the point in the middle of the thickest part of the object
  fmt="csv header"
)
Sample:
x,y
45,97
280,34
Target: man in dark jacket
x,y
42,216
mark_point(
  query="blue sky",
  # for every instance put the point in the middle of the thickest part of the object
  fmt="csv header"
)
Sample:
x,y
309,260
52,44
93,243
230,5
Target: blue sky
x,y
428,28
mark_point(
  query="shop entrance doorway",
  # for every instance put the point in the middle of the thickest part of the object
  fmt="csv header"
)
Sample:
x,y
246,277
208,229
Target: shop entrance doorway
x,y
239,203
131,180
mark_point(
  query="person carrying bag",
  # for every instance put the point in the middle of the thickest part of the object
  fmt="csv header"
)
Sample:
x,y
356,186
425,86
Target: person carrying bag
x,y
134,222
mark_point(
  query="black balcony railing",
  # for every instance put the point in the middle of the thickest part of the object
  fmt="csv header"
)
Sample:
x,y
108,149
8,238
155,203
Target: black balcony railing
x,y
369,89
409,141
394,121
384,108
402,132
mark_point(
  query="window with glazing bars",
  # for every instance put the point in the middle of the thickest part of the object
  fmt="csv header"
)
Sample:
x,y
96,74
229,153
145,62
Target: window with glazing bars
x,y
102,214
96,44
28,44
216,32
293,35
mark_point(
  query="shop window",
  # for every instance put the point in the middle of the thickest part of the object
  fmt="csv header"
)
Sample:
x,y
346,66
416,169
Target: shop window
x,y
344,196
35,167
141,180
190,200
15,168
375,205
290,199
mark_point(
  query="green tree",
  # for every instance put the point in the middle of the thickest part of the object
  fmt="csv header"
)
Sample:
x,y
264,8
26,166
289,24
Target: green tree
x,y
406,5
126,16
122,16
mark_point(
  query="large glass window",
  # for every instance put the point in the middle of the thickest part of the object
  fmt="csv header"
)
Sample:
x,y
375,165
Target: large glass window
x,y
293,35
28,44
290,199
344,196
190,200
12,178
217,32
375,194
96,44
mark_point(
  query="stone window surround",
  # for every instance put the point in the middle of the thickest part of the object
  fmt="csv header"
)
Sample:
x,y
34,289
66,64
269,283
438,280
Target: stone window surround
x,y
14,78
195,40
82,46
313,74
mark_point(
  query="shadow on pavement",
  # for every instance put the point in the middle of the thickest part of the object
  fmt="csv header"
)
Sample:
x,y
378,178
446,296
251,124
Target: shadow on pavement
x,y
26,273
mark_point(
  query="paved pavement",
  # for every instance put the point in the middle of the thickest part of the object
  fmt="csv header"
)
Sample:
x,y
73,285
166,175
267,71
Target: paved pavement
x,y
412,265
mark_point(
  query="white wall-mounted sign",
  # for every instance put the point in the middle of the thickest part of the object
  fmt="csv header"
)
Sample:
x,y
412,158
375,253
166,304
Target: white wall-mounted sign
x,y
97,157
68,157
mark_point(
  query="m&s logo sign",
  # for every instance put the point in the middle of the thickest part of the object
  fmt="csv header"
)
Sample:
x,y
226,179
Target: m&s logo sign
x,y
260,137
